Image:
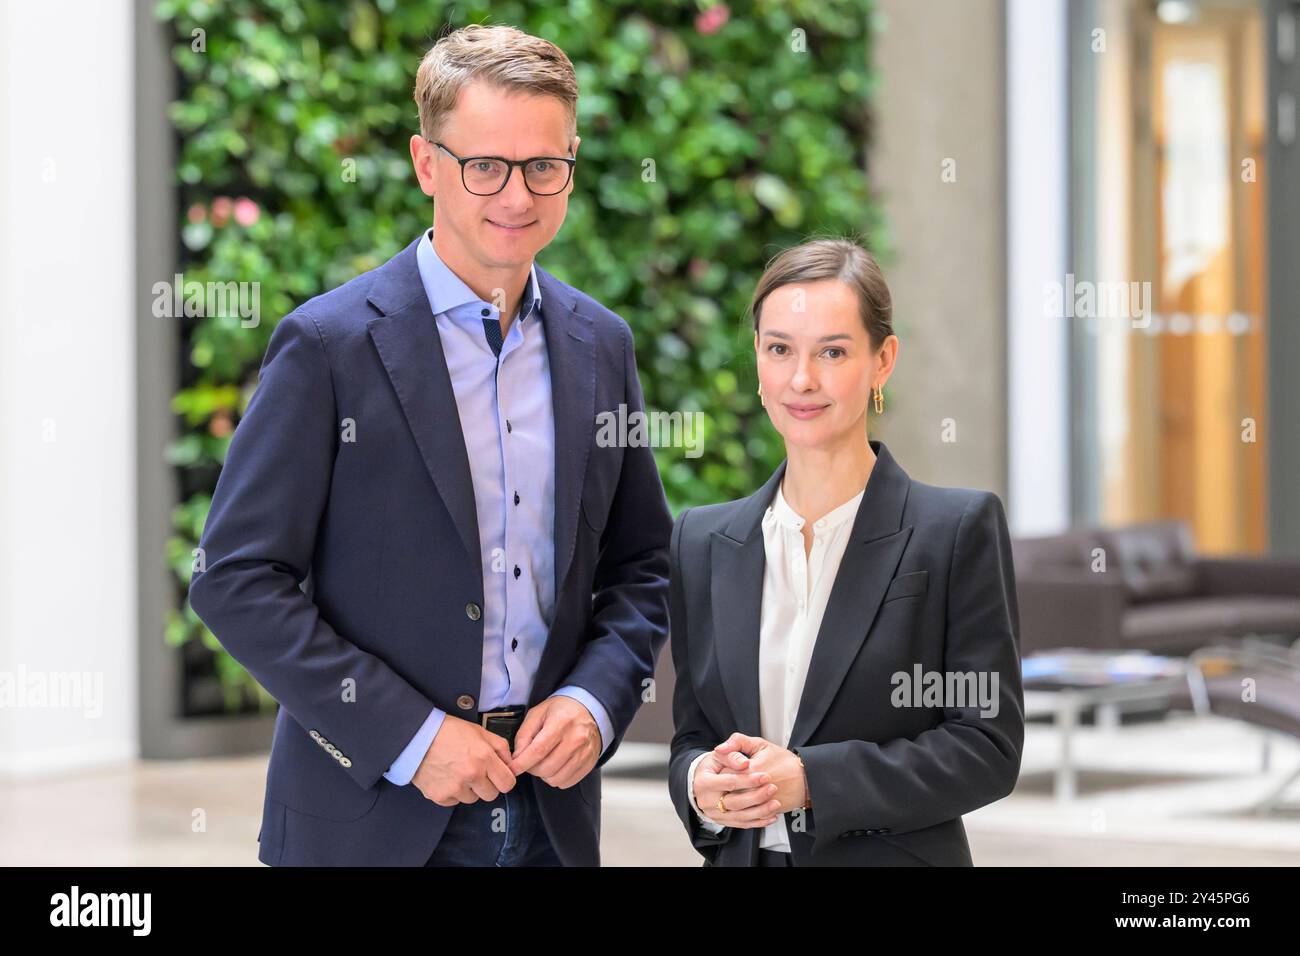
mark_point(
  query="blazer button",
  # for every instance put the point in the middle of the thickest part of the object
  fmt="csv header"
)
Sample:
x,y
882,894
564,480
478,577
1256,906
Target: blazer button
x,y
465,702
473,611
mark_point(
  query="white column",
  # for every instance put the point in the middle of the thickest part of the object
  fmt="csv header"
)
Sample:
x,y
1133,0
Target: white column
x,y
68,626
1037,254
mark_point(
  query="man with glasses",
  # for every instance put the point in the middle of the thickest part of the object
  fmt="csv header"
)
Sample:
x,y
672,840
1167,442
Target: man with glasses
x,y
488,583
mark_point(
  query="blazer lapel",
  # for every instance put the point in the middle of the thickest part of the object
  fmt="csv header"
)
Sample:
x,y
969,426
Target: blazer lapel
x,y
406,336
738,559
875,547
571,353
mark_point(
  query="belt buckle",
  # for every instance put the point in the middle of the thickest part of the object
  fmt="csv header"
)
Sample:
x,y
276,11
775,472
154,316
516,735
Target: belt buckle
x,y
483,717
509,736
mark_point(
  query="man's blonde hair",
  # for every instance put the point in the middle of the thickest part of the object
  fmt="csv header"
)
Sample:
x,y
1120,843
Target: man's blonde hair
x,y
502,56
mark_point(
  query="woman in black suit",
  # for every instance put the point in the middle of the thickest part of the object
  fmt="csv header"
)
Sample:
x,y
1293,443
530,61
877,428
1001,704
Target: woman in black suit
x,y
845,639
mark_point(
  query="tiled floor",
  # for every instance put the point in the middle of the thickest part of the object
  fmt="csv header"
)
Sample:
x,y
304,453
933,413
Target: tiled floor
x,y
1171,793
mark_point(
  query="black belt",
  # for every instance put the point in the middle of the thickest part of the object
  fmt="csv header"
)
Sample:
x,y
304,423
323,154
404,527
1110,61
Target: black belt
x,y
504,721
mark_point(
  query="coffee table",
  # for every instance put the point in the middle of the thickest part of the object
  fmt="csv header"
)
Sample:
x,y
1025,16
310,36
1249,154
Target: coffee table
x,y
1063,684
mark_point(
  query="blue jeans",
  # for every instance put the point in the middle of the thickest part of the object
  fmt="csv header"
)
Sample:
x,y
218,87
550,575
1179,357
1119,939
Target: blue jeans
x,y
507,831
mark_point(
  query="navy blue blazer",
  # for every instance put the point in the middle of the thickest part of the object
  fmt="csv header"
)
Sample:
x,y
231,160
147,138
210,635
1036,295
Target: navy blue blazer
x,y
345,576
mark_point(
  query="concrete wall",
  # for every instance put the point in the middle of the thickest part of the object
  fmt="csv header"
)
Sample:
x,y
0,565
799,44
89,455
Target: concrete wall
x,y
942,101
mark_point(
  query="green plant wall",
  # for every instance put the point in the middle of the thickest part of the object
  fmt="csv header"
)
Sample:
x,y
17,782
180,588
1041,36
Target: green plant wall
x,y
713,136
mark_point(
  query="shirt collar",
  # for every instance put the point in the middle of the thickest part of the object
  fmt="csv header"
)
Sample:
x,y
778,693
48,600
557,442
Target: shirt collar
x,y
448,291
781,513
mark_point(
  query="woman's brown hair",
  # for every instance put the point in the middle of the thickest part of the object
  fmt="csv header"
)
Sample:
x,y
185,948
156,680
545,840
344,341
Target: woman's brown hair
x,y
841,259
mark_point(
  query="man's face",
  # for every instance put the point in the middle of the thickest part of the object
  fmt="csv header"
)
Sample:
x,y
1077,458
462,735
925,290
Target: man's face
x,y
506,230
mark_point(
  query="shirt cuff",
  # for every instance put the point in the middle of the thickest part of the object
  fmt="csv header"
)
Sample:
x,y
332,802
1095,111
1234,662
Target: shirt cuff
x,y
408,761
710,825
597,711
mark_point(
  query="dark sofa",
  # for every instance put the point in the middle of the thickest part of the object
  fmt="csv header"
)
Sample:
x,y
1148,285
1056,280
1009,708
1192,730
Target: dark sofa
x,y
1154,593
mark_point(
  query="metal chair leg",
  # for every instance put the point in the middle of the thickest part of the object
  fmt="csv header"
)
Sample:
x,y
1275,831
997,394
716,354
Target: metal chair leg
x,y
1274,797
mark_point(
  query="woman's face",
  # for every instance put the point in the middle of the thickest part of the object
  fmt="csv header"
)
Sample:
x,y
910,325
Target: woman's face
x,y
815,363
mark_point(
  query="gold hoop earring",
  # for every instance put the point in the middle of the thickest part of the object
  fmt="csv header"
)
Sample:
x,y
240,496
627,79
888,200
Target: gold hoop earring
x,y
879,398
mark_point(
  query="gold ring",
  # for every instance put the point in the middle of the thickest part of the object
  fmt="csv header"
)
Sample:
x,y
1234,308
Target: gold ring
x,y
722,807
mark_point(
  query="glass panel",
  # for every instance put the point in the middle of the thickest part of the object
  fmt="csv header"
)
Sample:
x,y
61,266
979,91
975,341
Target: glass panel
x,y
1171,151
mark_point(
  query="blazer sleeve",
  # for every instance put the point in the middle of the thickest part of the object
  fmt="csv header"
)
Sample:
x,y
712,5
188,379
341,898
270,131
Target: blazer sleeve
x,y
629,621
692,734
968,760
257,545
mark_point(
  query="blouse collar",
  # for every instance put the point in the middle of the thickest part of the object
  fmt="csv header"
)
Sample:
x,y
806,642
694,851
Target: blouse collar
x,y
781,513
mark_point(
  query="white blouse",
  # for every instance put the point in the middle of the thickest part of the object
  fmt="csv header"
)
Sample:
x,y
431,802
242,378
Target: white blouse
x,y
796,587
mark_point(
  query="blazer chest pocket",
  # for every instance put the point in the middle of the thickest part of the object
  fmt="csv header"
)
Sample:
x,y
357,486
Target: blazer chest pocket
x,y
912,584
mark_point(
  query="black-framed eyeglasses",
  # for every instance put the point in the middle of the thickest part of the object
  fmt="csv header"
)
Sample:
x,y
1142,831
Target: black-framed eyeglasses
x,y
488,175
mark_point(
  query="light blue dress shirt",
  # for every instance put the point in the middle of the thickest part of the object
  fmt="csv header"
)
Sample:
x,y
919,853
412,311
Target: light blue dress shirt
x,y
508,422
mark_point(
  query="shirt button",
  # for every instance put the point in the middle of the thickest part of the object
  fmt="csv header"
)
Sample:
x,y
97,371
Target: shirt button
x,y
514,643
508,428
517,570
487,312
473,611
465,702
516,497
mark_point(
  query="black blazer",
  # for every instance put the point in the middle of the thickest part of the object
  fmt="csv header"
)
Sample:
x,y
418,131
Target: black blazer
x,y
926,580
